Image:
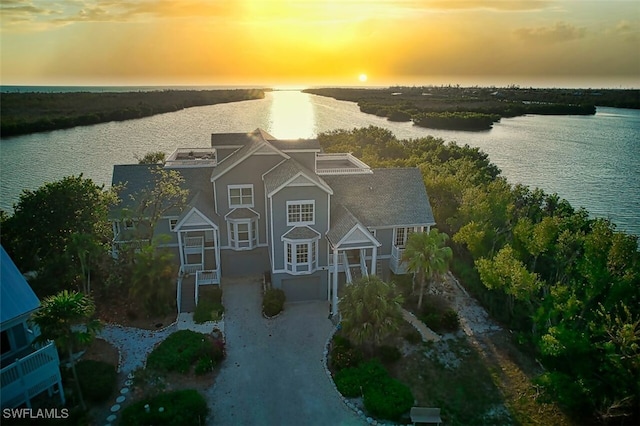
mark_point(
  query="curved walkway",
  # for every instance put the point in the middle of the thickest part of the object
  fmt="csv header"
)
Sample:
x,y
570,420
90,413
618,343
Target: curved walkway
x,y
274,372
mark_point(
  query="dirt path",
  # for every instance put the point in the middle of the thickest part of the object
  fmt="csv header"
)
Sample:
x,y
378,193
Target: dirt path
x,y
512,371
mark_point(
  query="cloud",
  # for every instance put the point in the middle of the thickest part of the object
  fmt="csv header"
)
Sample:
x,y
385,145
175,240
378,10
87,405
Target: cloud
x,y
558,33
27,15
498,5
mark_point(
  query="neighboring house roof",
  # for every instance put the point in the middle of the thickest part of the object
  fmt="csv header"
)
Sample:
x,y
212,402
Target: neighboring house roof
x,y
16,296
386,197
285,172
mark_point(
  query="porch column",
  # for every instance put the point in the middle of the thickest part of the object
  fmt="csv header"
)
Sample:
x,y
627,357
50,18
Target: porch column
x,y
180,249
216,241
374,260
334,300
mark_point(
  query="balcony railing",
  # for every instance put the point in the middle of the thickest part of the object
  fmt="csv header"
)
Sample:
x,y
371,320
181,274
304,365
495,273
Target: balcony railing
x,y
30,375
396,264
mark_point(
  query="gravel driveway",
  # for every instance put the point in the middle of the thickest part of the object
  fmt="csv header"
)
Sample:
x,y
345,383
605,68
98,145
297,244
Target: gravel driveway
x,y
274,373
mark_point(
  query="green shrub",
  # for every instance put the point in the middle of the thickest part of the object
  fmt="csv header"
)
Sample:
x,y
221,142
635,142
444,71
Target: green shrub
x,y
389,399
97,379
353,381
183,407
209,305
273,302
450,320
343,355
204,365
388,354
181,350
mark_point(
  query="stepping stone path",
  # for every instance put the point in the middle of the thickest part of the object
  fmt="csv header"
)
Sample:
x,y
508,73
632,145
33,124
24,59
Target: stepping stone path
x,y
119,400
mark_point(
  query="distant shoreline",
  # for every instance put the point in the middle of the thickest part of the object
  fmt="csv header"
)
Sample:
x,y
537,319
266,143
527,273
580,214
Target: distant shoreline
x,y
32,112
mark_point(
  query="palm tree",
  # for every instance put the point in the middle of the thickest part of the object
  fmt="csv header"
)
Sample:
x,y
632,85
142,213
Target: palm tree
x,y
66,318
371,310
427,256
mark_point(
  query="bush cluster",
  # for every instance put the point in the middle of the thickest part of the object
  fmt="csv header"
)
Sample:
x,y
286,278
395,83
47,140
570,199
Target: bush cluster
x,y
273,302
183,349
438,316
343,354
183,407
384,397
97,379
388,354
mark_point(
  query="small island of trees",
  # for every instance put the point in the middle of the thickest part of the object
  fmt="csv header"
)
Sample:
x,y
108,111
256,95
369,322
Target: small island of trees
x,y
476,108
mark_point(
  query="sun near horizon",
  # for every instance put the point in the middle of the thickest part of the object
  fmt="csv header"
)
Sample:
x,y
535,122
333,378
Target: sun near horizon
x,y
313,42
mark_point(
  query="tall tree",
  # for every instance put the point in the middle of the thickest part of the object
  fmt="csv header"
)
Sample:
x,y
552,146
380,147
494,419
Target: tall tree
x,y
154,157
427,256
165,194
371,311
66,318
39,234
153,278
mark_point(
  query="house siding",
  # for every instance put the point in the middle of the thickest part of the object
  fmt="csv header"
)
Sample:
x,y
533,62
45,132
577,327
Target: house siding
x,y
280,227
247,172
385,237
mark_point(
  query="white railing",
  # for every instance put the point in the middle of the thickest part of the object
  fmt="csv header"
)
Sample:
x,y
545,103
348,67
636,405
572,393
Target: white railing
x,y
347,272
191,268
396,263
179,294
207,277
30,375
356,165
363,266
194,242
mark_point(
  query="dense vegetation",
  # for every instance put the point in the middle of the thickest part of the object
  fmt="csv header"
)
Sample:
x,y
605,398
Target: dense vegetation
x,y
24,113
181,407
567,284
476,108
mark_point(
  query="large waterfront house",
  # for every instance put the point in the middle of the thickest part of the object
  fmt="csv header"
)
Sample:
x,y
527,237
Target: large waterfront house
x,y
259,204
28,368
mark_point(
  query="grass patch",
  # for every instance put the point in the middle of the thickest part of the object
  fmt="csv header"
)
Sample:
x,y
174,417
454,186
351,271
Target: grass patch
x,y
183,407
451,375
209,305
184,349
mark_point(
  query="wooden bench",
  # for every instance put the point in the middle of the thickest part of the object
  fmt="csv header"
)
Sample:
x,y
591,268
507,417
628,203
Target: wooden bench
x,y
425,415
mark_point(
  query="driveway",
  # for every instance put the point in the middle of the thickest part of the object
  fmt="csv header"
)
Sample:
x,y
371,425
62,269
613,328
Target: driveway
x,y
274,373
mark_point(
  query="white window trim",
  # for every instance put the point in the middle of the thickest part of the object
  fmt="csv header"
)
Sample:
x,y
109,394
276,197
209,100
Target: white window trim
x,y
128,224
240,187
293,267
253,236
301,203
173,222
408,230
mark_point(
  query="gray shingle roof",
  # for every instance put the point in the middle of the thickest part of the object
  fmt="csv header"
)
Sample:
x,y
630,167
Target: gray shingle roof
x,y
295,144
342,221
285,171
139,177
241,213
301,233
16,296
386,197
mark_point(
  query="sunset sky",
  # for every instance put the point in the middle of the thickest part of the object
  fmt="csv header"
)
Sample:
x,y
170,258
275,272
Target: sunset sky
x,y
568,43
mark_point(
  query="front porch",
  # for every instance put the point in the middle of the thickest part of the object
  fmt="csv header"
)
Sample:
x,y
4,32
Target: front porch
x,y
30,375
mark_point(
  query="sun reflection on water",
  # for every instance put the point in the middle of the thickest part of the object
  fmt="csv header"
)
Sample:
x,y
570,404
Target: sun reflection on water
x,y
292,115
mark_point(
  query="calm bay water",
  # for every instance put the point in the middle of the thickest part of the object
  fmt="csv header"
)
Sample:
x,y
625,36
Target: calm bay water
x,y
592,161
